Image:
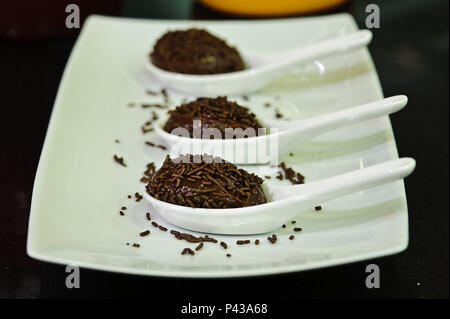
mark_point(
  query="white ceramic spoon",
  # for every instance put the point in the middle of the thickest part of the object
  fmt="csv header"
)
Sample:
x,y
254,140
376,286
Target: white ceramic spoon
x,y
286,201
266,148
261,68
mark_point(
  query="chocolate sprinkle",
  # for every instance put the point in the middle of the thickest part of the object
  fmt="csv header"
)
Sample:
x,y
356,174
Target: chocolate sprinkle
x,y
156,145
278,115
138,196
297,229
144,233
159,106
189,251
291,237
318,208
224,245
162,228
119,160
291,175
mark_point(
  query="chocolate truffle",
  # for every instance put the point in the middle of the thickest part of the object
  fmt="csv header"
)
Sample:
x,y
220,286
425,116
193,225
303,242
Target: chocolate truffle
x,y
216,113
204,181
195,51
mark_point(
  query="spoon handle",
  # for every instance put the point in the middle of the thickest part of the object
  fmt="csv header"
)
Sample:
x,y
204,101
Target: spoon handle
x,y
324,48
324,190
306,129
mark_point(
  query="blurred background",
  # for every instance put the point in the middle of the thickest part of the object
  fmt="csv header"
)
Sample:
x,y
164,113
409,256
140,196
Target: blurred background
x,y
410,52
34,20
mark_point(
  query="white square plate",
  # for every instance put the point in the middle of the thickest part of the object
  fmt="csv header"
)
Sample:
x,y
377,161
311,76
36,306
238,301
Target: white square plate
x,y
79,189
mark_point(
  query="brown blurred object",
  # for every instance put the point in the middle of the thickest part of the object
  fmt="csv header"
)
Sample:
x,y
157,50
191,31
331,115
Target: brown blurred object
x,y
271,8
35,20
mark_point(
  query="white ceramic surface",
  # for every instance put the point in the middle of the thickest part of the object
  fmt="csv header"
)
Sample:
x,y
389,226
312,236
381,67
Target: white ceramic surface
x,y
268,148
79,189
262,68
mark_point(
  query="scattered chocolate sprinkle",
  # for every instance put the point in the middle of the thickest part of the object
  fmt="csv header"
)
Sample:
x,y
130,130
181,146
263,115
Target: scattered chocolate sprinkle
x,y
291,175
297,229
146,130
278,115
199,246
228,255
267,104
318,208
291,237
257,242
138,196
155,224
291,154
189,251
117,141
156,145
119,160
165,95
267,177
279,176
243,242
129,196
272,239
224,245
136,245
284,225
144,233
121,213
162,228
157,105
245,97
293,222
123,208
147,215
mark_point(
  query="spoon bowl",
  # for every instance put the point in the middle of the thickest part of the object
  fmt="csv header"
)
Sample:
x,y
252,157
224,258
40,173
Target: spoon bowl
x,y
263,68
285,202
283,135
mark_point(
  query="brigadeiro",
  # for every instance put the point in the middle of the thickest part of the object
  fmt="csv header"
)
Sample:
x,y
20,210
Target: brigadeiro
x,y
204,181
195,51
216,113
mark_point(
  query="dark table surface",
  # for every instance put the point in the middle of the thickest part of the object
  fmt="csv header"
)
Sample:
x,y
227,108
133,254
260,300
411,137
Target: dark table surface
x,y
410,51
